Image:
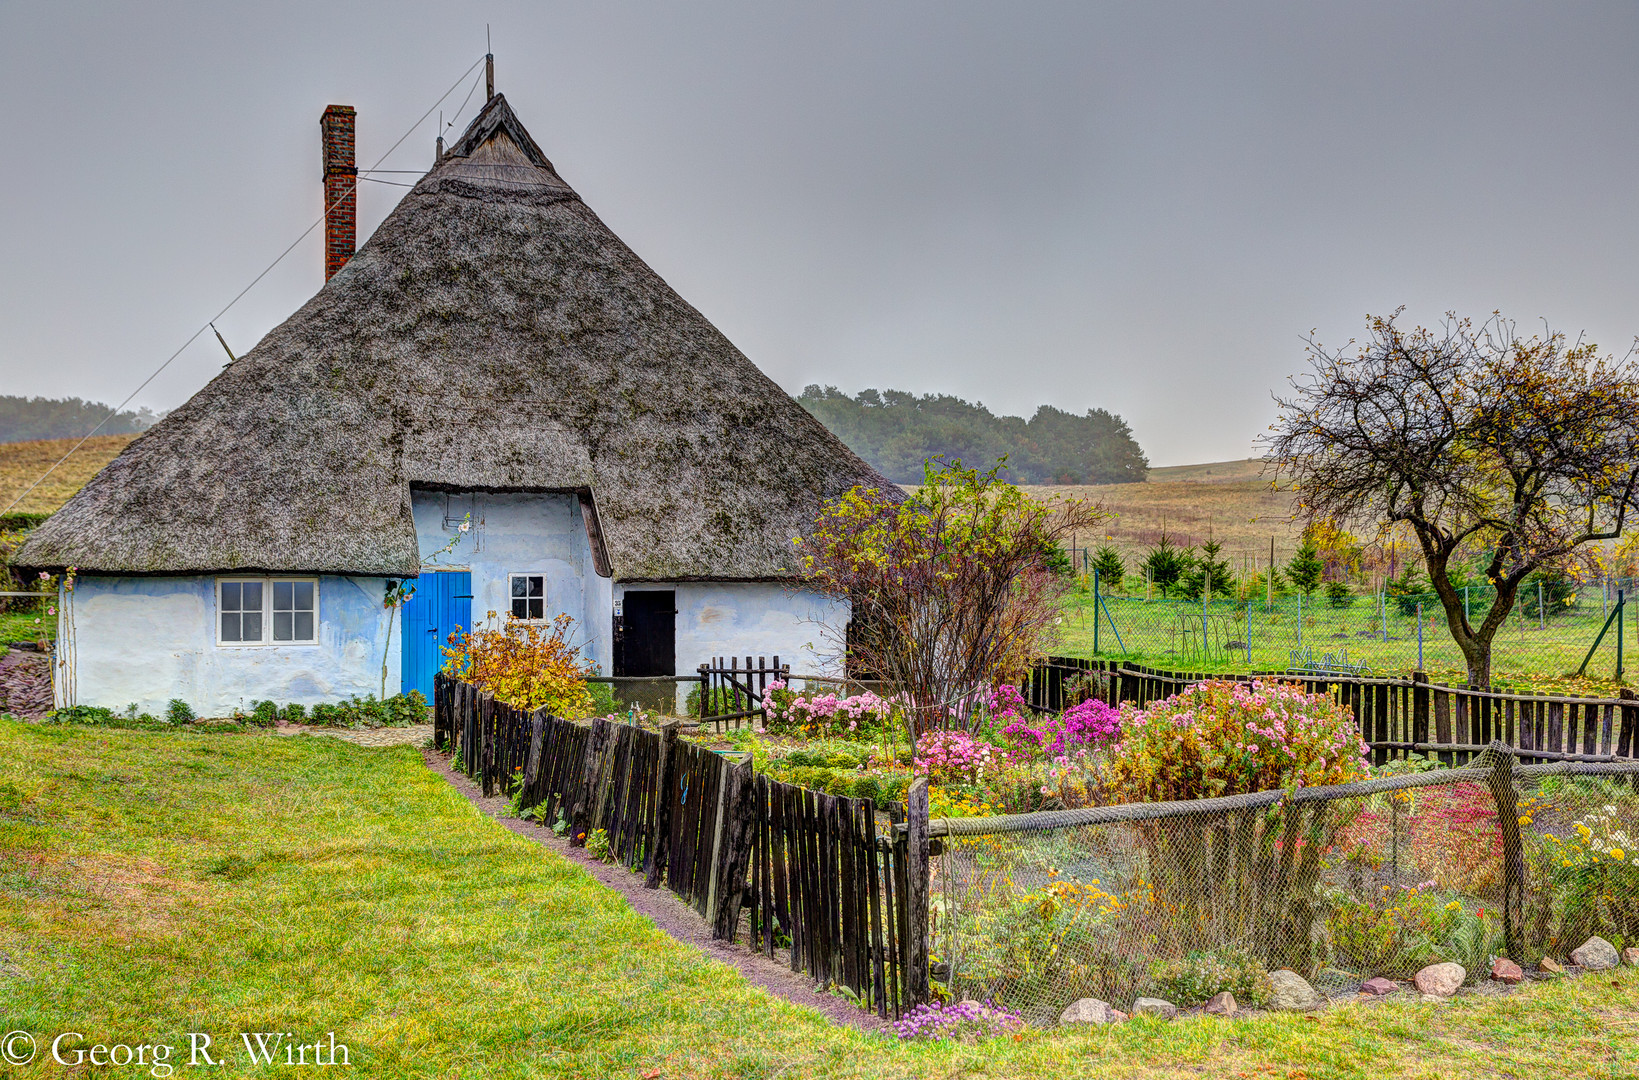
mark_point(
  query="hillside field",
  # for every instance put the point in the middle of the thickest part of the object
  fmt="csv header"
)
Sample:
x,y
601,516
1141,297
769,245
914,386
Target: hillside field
x,y
1230,501
21,463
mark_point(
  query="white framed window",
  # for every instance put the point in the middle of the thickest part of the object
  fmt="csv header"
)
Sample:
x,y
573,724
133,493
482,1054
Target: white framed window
x,y
529,596
267,611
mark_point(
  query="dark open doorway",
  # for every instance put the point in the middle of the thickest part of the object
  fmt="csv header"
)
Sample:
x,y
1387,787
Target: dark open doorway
x,y
647,644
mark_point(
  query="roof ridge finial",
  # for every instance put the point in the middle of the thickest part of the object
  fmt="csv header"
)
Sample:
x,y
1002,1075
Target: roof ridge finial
x,y
489,67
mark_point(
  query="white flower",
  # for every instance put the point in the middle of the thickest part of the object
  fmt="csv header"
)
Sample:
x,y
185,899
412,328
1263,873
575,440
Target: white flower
x,y
465,526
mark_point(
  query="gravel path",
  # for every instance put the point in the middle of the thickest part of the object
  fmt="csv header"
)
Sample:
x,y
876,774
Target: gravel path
x,y
415,735
669,913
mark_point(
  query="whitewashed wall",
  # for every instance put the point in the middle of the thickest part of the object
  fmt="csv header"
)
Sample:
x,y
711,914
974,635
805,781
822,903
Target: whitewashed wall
x,y
802,627
146,640
521,533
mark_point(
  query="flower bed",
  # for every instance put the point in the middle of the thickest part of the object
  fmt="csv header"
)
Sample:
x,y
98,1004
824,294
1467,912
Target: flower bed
x,y
1187,907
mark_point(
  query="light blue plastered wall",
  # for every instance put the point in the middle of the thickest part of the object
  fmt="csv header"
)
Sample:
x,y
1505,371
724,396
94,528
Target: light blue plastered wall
x,y
521,533
146,640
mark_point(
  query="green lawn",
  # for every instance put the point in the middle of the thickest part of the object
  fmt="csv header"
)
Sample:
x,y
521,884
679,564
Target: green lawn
x,y
20,626
153,885
1168,634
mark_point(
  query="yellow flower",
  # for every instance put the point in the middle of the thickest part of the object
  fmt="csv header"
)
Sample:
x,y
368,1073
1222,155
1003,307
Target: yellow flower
x,y
1524,820
1618,854
1454,906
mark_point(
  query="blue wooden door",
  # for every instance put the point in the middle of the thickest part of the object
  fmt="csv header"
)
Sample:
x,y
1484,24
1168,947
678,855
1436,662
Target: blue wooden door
x,y
441,606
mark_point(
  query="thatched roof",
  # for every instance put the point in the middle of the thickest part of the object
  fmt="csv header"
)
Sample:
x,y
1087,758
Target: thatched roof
x,y
492,335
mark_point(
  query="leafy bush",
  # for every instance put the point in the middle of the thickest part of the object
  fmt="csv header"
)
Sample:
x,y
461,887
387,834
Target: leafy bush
x,y
179,712
1397,934
1228,738
527,665
1201,975
597,844
264,714
400,710
293,714
721,701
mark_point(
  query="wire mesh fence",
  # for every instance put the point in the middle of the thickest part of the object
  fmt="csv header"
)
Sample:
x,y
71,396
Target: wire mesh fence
x,y
1549,629
1181,900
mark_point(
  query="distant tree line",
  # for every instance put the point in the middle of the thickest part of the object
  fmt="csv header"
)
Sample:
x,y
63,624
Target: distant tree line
x,y
23,419
898,431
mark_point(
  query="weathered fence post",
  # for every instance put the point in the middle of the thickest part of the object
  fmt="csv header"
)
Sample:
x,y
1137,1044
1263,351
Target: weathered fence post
x,y
739,829
532,763
659,851
1627,743
714,850
486,737
916,890
591,769
1501,783
1419,708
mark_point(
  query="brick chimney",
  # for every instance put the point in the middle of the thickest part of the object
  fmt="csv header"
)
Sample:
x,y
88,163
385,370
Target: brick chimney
x,y
340,188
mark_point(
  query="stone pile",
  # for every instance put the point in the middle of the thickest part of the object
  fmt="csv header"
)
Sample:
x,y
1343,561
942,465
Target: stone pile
x,y
1291,992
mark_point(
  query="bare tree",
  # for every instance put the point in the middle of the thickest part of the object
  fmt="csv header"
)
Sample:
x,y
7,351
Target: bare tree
x,y
953,589
1479,442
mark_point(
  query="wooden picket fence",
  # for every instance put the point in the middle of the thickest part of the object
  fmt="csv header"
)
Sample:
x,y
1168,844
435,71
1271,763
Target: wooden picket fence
x,y
819,877
1396,716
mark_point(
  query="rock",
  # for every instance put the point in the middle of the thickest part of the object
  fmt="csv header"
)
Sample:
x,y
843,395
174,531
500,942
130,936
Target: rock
x,y
1293,993
1090,1011
1595,954
1379,986
1148,1006
1549,966
1440,980
1630,957
1505,970
1221,1004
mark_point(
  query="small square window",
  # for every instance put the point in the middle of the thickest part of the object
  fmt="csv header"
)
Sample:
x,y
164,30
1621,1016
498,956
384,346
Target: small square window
x,y
241,612
529,596
261,611
293,611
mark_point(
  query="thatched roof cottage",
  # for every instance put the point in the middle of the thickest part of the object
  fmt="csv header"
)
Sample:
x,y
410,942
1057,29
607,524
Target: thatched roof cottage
x,y
495,398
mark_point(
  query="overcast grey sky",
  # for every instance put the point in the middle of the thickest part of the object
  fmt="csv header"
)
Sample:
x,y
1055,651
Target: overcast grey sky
x,y
1141,207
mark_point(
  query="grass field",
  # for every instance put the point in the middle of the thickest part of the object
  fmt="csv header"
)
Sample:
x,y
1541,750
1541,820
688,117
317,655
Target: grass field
x,y
22,463
153,885
1169,634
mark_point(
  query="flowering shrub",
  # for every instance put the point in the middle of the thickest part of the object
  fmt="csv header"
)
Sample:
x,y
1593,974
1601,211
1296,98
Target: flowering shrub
x,y
1054,940
1005,703
527,665
1227,738
1089,725
1586,882
955,757
818,715
962,1021
1398,933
